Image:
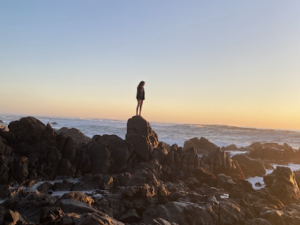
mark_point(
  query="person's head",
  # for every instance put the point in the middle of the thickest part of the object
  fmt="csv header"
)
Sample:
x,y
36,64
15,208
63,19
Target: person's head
x,y
141,84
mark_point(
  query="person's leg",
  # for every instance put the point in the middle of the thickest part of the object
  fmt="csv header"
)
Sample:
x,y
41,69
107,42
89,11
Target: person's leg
x,y
137,108
141,104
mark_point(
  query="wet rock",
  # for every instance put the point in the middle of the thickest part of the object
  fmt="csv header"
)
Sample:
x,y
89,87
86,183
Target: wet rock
x,y
74,133
63,186
258,184
217,161
200,144
282,184
142,137
250,167
45,188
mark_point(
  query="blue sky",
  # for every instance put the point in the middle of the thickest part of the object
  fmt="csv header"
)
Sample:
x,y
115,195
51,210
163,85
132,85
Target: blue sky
x,y
216,62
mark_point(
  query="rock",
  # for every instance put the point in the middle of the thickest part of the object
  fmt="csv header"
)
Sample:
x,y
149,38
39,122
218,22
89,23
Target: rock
x,y
45,188
50,215
100,157
74,133
4,128
182,213
63,186
5,149
142,137
97,219
258,184
205,177
274,152
130,216
283,185
78,196
73,206
160,153
250,167
1,121
54,123
29,205
218,162
12,218
42,159
230,147
200,144
121,151
224,181
30,130
258,221
65,168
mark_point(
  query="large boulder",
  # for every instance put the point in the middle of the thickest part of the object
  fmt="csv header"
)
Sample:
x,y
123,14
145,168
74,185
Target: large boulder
x,y
218,161
283,185
274,152
250,167
100,156
200,144
30,130
76,134
3,127
121,151
141,135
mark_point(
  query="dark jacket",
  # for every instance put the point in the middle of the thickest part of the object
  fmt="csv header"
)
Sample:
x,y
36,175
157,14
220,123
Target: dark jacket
x,y
140,95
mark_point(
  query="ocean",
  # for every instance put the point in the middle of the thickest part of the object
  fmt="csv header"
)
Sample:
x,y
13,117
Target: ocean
x,y
174,133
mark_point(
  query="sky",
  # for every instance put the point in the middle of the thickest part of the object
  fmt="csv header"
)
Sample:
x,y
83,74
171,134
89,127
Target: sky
x,y
204,62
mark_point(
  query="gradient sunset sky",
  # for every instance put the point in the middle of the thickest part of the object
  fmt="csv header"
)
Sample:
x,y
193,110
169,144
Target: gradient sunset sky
x,y
204,62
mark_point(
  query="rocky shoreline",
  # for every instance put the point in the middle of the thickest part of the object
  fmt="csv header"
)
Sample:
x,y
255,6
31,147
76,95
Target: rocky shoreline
x,y
140,180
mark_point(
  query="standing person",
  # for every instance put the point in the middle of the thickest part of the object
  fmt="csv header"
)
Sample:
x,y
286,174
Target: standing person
x,y
140,96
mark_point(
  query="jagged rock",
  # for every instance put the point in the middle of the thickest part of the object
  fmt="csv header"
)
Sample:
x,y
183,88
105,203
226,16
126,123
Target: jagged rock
x,y
160,153
45,187
74,133
250,167
100,156
200,144
274,152
282,184
217,161
205,177
62,186
121,151
29,205
142,137
30,130
5,149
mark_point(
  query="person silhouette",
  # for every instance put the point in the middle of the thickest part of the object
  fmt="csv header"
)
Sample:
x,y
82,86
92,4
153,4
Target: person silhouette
x,y
140,96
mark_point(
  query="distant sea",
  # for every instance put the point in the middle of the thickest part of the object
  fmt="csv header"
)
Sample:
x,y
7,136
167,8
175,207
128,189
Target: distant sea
x,y
175,133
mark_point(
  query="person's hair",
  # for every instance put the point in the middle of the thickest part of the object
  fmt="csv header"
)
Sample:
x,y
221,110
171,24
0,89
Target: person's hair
x,y
140,84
